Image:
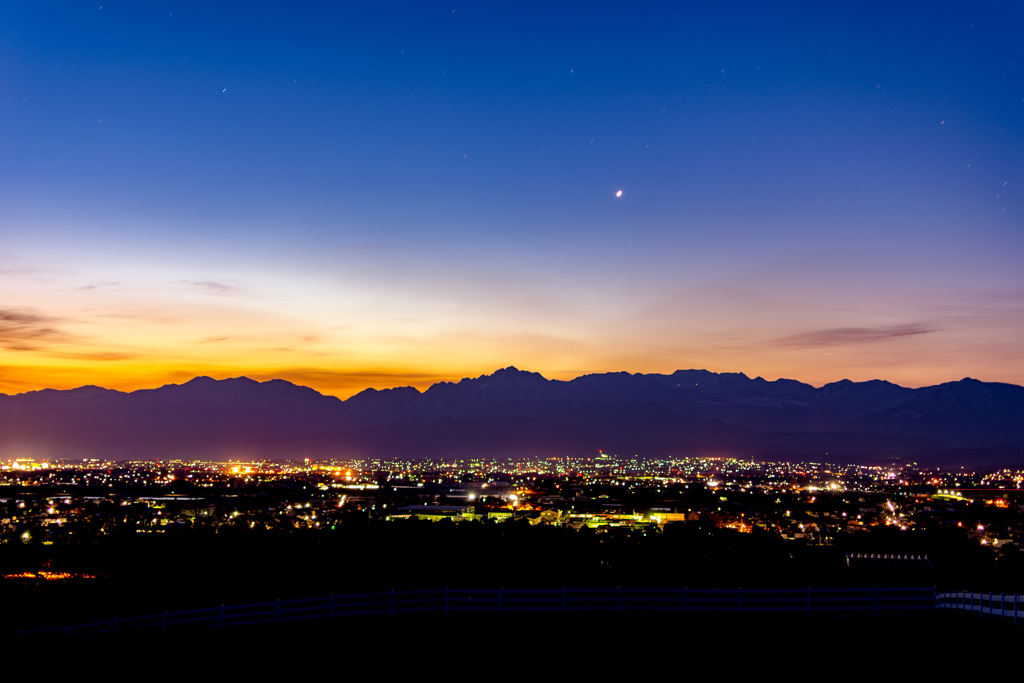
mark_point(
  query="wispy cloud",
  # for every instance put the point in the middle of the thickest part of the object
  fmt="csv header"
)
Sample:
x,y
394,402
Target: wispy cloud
x,y
300,343
22,330
23,271
96,285
211,286
99,355
844,336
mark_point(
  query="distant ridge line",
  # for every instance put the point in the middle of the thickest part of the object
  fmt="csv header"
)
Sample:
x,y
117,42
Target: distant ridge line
x,y
513,413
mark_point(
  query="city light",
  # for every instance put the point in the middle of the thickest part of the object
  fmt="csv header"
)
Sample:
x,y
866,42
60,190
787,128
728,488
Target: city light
x,y
606,493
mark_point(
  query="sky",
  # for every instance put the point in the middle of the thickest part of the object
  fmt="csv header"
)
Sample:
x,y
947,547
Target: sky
x,y
390,194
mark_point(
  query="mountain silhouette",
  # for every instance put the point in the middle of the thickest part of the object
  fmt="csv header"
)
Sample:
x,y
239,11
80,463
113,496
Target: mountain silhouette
x,y
512,412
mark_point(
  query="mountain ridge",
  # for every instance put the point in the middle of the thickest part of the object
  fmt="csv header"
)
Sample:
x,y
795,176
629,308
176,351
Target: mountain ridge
x,y
707,411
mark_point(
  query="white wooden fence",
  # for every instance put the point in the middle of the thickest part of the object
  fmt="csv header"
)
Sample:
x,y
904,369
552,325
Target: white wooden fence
x,y
993,604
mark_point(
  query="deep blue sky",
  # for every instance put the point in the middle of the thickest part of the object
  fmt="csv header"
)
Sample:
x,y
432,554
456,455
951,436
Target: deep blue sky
x,y
812,190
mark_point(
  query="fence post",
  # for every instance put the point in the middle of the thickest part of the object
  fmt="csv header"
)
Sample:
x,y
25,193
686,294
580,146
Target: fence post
x,y
332,605
391,603
501,599
808,601
222,616
277,605
739,598
1002,607
618,598
563,600
1016,609
685,599
874,600
164,620
446,600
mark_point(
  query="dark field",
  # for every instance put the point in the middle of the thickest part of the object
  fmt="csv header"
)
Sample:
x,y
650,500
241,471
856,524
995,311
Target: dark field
x,y
681,646
150,574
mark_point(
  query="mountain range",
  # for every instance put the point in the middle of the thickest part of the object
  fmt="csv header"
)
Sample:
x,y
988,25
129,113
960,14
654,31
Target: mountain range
x,y
512,412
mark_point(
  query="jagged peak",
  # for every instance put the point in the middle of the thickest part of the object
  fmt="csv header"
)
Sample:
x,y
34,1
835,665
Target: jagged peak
x,y
393,391
509,372
513,371
248,380
401,390
279,382
85,389
196,381
867,382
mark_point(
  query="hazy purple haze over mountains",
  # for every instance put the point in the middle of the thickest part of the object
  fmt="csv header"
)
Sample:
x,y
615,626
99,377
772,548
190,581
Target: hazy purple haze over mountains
x,y
512,413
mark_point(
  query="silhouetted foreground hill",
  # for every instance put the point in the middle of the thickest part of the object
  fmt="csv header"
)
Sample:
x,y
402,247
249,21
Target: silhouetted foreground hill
x,y
512,412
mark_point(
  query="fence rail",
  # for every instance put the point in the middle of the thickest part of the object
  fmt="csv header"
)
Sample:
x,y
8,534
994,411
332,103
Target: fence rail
x,y
993,604
505,601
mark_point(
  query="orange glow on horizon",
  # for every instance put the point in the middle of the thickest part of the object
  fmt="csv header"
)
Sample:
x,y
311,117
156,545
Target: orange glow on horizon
x,y
339,382
154,329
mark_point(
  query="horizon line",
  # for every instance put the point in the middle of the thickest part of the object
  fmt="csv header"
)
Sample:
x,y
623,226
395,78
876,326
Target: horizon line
x,y
470,378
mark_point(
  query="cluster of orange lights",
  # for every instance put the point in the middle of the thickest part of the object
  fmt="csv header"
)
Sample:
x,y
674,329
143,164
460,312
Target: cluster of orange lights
x,y
24,465
50,576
